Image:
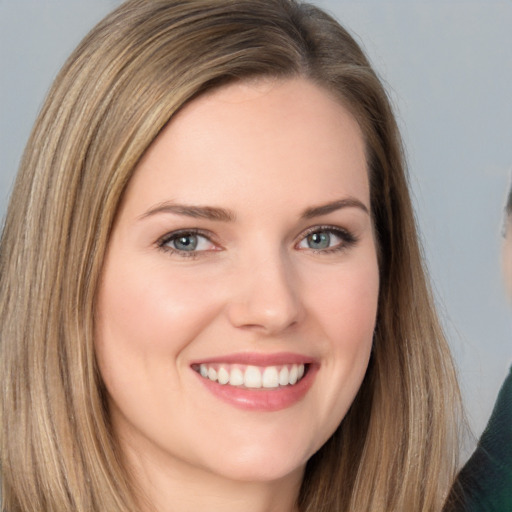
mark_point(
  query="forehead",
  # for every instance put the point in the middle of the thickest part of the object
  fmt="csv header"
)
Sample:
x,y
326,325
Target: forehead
x,y
268,139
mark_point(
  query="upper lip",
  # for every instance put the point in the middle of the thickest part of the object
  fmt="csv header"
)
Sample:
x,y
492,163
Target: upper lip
x,y
258,359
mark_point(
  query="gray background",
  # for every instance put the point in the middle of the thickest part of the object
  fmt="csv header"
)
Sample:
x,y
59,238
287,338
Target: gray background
x,y
448,69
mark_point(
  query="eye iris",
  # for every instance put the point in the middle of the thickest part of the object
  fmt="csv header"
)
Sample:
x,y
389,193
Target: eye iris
x,y
186,243
319,240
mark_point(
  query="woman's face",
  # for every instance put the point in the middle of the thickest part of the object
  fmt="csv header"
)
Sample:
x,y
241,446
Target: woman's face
x,y
239,292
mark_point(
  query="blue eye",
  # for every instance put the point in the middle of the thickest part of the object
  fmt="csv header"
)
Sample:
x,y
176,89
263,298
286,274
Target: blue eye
x,y
186,243
327,239
320,240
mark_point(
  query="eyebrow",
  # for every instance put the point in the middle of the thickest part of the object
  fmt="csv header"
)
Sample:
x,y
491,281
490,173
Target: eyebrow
x,y
223,215
349,202
196,212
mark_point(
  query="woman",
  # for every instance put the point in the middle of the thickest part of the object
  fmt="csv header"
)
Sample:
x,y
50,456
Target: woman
x,y
212,289
484,484
507,245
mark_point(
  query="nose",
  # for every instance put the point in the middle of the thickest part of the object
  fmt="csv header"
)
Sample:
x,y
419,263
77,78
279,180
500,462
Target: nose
x,y
266,296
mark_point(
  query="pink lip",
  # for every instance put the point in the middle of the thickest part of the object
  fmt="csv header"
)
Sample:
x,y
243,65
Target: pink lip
x,y
262,400
256,359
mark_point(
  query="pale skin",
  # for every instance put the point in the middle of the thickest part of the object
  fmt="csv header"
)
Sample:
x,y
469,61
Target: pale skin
x,y
245,232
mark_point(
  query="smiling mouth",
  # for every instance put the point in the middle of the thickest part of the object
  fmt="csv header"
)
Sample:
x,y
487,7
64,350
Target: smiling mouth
x,y
252,377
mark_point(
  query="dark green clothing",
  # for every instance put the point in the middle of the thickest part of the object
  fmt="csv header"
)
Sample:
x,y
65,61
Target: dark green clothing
x,y
485,483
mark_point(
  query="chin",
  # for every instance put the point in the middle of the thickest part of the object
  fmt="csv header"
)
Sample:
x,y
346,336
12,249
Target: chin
x,y
266,462
263,471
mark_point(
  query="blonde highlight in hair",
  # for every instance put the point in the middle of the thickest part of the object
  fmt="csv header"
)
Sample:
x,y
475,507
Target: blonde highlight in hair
x,y
394,450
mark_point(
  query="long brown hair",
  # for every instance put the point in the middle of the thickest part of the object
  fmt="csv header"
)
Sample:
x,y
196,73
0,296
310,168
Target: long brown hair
x,y
393,451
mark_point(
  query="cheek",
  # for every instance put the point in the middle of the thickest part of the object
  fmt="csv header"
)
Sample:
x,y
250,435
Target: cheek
x,y
149,308
145,320
347,306
345,312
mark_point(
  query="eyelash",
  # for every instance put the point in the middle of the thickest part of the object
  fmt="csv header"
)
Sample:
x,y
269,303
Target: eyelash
x,y
347,238
175,235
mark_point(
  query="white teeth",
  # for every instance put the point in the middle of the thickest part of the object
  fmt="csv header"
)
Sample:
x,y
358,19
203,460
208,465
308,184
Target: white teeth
x,y
212,373
253,377
270,378
236,377
283,376
294,374
223,375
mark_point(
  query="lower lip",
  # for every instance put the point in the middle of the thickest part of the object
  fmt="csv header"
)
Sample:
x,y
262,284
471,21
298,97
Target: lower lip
x,y
263,399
